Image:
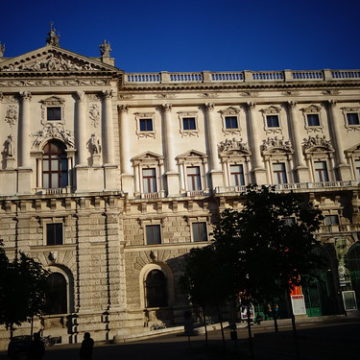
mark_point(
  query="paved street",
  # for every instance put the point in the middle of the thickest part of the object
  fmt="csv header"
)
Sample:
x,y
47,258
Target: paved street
x,y
316,341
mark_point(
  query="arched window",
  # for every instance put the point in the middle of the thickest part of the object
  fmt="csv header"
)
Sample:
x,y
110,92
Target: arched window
x,y
156,289
54,165
56,294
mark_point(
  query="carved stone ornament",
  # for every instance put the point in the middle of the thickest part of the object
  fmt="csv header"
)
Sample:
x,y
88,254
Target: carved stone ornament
x,y
105,49
313,142
275,143
233,145
53,131
11,115
94,145
94,114
9,148
59,82
52,61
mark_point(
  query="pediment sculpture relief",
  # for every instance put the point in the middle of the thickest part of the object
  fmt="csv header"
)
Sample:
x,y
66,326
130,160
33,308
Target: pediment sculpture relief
x,y
233,145
53,131
52,61
275,143
317,142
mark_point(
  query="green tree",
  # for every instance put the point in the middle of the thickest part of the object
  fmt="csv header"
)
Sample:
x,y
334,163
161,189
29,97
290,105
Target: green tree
x,y
22,289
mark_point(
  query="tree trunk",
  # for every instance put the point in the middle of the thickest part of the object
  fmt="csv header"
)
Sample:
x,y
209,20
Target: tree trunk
x,y
293,323
221,325
251,344
205,327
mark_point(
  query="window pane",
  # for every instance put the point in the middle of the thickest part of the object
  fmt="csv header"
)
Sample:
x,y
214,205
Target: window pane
x,y
156,289
194,178
56,294
199,232
146,125
231,122
149,180
321,173
54,180
54,234
357,169
237,175
272,120
313,120
189,123
45,165
54,165
63,164
45,181
331,220
279,171
53,113
153,234
353,118
63,180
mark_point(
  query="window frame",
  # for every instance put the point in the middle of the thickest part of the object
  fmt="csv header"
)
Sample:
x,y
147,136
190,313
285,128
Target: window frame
x,y
321,171
145,133
276,172
153,225
192,177
351,110
272,111
205,228
243,177
188,132
55,221
309,111
52,102
230,112
154,177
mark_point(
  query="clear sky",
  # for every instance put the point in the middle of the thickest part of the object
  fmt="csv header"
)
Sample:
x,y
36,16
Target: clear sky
x,y
193,35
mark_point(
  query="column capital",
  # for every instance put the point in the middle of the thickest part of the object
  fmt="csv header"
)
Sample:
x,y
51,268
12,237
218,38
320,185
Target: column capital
x,y
107,94
81,95
250,105
209,106
1,96
331,102
166,107
123,108
291,103
25,95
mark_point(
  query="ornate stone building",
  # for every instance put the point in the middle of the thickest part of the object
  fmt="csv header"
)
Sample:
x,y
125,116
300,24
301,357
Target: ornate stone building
x,y
109,178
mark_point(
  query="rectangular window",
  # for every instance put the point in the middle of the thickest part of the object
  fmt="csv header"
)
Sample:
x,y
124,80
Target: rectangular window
x,y
54,234
149,180
313,119
272,121
321,173
357,168
231,122
146,124
53,113
153,235
279,171
353,118
331,220
194,178
199,231
189,123
237,175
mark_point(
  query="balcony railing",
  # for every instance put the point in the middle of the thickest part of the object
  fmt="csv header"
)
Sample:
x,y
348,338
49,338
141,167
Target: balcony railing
x,y
296,186
53,191
339,228
246,76
153,195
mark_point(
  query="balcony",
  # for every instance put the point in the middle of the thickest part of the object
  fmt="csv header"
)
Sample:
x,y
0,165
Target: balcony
x,y
53,191
300,187
153,195
325,229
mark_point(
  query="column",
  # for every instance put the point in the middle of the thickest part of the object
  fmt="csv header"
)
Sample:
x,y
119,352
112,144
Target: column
x,y
125,140
216,173
301,170
24,131
81,129
169,150
259,173
342,166
172,175
212,141
108,131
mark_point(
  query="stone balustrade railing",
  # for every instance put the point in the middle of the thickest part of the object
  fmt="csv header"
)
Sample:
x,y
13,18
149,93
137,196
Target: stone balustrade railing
x,y
241,76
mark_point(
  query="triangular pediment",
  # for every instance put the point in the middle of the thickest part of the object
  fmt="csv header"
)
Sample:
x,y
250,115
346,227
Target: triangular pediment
x,y
149,155
53,59
192,154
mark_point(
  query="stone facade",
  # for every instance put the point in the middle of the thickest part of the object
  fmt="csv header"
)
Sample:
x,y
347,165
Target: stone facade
x,y
108,178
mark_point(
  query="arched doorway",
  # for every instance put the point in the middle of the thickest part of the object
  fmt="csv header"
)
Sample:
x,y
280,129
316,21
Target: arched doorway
x,y
352,262
320,293
54,165
56,295
156,289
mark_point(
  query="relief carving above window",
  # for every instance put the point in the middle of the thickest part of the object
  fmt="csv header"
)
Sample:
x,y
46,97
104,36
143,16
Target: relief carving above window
x,y
53,131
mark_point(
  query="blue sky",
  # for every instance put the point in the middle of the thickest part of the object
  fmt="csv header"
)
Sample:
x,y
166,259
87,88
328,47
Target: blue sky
x,y
215,35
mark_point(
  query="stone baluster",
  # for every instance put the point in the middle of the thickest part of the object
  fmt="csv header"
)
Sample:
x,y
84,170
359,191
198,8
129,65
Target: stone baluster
x,y
24,131
296,131
107,127
81,129
125,140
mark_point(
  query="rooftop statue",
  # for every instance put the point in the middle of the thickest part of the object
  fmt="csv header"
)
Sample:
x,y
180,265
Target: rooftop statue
x,y
53,38
105,49
2,49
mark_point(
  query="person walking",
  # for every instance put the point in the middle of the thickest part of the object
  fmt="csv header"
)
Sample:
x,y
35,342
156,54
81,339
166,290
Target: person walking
x,y
37,348
86,349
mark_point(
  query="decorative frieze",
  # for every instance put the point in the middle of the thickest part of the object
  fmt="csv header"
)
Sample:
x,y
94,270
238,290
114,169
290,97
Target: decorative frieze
x,y
53,131
11,115
55,83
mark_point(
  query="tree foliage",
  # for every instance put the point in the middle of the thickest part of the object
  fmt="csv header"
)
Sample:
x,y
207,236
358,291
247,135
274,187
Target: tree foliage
x,y
22,288
259,251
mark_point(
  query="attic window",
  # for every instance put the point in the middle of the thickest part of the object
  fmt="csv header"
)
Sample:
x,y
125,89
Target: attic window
x,y
53,113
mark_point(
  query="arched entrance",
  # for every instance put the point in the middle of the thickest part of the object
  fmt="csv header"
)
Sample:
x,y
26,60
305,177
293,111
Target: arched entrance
x,y
156,289
56,295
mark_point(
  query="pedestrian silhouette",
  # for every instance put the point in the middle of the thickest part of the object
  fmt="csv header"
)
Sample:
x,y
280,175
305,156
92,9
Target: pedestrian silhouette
x,y
37,348
86,347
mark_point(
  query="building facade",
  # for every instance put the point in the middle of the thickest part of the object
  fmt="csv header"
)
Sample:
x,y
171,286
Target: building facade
x,y
109,178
